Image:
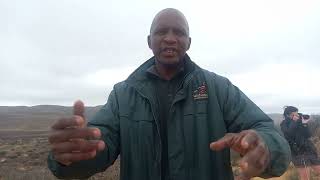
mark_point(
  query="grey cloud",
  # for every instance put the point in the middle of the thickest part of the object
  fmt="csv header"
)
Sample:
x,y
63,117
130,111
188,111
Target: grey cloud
x,y
47,48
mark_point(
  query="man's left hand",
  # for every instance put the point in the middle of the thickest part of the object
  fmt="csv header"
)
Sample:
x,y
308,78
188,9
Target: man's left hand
x,y
254,152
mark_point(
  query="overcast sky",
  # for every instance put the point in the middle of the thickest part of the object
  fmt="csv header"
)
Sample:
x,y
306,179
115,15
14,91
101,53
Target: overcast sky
x,y
54,52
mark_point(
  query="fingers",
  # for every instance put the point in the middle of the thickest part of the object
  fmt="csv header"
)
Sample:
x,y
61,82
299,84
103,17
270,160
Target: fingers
x,y
72,141
76,150
257,158
240,142
255,161
76,121
250,139
77,145
230,140
68,158
248,143
71,145
78,108
80,133
226,142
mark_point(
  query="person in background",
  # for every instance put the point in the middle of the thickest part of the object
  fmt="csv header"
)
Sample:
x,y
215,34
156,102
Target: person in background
x,y
170,119
296,131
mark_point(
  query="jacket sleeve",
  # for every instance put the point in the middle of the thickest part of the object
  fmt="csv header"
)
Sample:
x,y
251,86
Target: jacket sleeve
x,y
240,113
107,121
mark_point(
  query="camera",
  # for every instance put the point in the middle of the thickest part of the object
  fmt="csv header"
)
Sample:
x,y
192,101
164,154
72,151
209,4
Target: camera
x,y
304,116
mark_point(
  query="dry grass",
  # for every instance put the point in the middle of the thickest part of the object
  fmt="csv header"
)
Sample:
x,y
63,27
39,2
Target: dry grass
x,y
23,151
290,174
25,159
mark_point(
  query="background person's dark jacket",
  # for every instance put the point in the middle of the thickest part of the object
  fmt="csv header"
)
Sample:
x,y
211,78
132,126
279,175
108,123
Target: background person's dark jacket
x,y
297,135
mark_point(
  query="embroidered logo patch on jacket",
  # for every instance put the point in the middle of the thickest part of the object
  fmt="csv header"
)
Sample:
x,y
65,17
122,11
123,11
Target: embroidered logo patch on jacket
x,y
200,92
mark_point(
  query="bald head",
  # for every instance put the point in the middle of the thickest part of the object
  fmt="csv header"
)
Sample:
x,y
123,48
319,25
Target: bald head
x,y
172,14
169,38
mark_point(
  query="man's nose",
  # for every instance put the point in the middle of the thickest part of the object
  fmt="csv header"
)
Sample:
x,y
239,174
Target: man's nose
x,y
170,38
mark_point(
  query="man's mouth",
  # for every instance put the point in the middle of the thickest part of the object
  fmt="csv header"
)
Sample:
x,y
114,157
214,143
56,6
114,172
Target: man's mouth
x,y
169,51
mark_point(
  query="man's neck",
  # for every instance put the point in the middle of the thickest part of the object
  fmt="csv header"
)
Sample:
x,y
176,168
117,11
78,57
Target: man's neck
x,y
167,72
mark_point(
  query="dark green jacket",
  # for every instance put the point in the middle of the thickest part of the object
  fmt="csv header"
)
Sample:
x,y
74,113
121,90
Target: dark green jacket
x,y
206,107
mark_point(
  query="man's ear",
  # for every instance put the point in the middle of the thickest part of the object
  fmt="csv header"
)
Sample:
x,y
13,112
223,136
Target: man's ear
x,y
189,43
149,41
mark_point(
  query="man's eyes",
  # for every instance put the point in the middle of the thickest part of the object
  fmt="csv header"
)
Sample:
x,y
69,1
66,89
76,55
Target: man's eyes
x,y
180,33
175,31
161,31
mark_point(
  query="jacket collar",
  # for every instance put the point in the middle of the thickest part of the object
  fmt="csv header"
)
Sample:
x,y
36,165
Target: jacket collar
x,y
141,82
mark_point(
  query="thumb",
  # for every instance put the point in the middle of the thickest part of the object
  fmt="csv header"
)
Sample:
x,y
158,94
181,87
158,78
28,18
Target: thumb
x,y
78,108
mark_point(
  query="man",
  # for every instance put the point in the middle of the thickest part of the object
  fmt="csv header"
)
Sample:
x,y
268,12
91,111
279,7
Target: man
x,y
296,131
170,120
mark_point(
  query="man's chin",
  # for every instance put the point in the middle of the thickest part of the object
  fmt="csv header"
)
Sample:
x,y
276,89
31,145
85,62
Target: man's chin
x,y
168,62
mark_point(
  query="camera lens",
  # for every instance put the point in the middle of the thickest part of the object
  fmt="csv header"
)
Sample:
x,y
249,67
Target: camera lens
x,y
305,116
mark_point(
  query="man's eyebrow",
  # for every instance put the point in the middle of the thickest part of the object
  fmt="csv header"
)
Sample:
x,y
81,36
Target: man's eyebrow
x,y
180,29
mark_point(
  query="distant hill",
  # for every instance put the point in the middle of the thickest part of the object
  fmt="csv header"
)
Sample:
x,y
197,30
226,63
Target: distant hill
x,y
43,116
36,117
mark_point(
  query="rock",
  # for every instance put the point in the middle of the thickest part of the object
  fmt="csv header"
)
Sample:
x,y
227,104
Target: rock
x,y
21,168
2,160
12,155
25,155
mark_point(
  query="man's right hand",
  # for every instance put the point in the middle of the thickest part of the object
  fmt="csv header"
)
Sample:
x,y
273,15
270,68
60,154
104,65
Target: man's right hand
x,y
71,140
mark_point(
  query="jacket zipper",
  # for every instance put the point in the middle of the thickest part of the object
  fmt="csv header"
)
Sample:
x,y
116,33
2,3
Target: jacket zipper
x,y
158,127
187,81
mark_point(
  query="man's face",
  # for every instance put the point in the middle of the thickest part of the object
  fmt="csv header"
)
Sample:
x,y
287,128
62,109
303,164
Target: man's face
x,y
169,38
294,116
